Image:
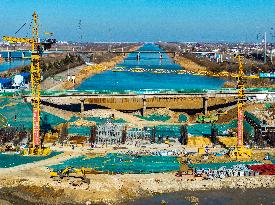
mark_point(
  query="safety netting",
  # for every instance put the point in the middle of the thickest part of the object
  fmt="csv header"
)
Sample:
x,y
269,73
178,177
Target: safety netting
x,y
183,118
19,114
203,129
155,117
79,130
253,118
121,163
11,160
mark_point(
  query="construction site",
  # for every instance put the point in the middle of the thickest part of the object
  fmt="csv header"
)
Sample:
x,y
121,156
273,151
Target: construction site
x,y
63,142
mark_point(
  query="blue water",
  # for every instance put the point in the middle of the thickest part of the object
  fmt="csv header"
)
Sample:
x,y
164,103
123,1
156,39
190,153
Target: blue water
x,y
212,197
117,81
11,160
5,65
119,163
16,54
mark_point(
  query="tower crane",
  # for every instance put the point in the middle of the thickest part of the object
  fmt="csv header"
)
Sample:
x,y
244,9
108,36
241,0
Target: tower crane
x,y
240,150
37,48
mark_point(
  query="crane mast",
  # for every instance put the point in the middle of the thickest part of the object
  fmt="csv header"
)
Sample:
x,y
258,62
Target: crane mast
x,y
35,82
241,101
240,151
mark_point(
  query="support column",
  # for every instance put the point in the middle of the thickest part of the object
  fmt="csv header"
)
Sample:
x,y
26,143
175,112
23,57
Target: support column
x,y
144,106
205,105
82,108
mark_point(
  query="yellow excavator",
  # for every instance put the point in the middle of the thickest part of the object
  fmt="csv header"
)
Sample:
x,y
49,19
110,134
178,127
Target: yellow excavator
x,y
72,172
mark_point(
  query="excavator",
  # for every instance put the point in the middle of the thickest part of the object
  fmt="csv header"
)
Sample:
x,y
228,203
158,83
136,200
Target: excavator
x,y
3,121
71,172
37,48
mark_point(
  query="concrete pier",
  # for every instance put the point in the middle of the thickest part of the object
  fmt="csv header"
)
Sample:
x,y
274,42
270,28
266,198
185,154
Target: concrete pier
x,y
144,106
205,105
82,105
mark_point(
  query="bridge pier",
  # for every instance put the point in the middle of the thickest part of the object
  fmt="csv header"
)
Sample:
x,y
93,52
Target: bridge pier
x,y
205,104
144,106
82,105
138,56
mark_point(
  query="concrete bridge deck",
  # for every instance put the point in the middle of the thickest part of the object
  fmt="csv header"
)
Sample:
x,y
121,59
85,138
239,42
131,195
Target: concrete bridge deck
x,y
197,102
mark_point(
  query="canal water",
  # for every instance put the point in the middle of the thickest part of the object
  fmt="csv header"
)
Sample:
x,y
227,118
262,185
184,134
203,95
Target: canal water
x,y
118,81
212,197
6,65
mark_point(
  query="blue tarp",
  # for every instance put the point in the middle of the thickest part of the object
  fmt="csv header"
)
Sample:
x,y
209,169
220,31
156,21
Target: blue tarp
x,y
5,83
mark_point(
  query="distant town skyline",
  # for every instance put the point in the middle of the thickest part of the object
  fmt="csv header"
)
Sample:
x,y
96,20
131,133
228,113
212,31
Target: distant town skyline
x,y
142,20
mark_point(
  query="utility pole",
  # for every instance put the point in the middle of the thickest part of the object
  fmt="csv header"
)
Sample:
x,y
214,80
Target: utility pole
x,y
272,35
258,35
264,47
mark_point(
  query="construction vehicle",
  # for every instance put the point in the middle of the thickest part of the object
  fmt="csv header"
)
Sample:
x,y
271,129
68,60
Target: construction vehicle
x,y
72,172
221,112
3,121
37,48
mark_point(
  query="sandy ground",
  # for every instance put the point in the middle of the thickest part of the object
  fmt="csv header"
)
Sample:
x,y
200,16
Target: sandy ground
x,y
52,83
32,183
189,64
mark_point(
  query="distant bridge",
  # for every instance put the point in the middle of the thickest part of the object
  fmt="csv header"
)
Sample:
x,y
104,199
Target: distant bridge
x,y
27,54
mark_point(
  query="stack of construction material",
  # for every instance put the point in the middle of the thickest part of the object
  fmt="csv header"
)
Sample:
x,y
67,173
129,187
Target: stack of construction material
x,y
229,170
264,169
198,142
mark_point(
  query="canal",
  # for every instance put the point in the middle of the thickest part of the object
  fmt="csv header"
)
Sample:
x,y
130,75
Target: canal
x,y
6,65
118,81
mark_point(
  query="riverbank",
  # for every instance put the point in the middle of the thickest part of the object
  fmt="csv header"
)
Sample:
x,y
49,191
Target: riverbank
x,y
188,64
31,184
37,187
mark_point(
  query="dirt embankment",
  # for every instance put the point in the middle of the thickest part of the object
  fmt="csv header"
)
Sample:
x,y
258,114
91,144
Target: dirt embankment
x,y
188,64
92,70
117,189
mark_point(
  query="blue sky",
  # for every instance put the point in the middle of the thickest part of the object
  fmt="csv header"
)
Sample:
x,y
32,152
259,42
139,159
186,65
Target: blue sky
x,y
142,20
